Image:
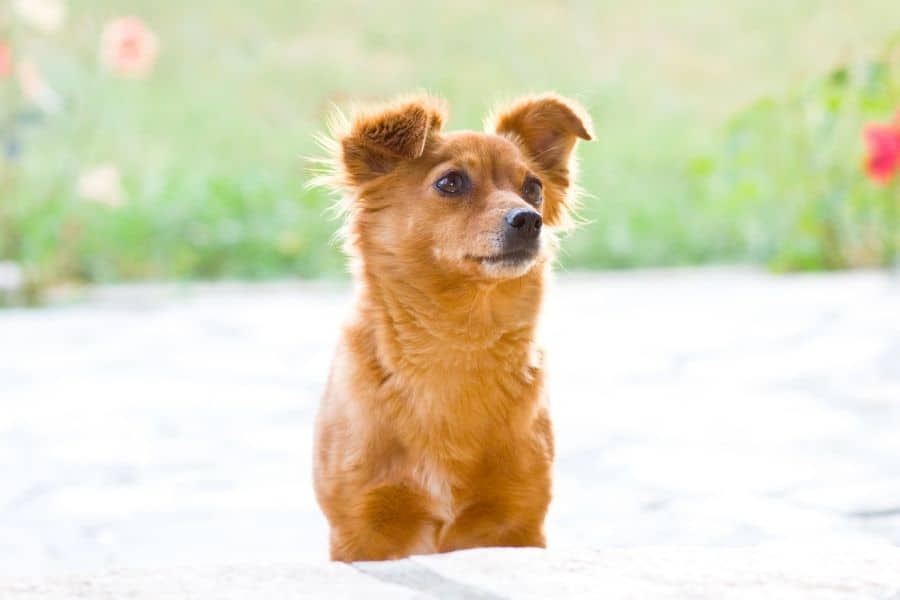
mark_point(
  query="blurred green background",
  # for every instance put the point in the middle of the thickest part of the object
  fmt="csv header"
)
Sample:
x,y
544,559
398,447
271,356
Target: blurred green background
x,y
727,131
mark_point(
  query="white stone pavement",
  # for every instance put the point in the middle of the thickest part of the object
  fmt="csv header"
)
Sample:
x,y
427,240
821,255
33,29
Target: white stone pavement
x,y
758,572
161,426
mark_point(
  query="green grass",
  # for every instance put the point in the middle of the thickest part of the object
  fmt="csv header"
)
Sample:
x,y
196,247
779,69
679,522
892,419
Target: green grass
x,y
210,144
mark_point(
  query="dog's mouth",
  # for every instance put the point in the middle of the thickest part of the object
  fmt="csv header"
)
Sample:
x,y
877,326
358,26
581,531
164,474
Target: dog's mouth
x,y
514,257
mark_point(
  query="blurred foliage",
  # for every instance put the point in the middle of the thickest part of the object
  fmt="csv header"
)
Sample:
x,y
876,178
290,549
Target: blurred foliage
x,y
794,164
210,144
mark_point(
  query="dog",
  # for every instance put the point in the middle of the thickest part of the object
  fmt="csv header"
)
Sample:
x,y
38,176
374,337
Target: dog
x,y
433,432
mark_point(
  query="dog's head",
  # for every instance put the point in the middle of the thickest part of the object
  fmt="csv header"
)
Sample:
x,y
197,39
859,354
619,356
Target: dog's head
x,y
467,203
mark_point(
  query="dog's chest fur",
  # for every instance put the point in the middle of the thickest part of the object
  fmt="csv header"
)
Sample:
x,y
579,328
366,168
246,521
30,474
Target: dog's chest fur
x,y
434,480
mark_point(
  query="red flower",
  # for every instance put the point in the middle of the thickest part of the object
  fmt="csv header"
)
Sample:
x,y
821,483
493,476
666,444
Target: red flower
x,y
5,60
883,160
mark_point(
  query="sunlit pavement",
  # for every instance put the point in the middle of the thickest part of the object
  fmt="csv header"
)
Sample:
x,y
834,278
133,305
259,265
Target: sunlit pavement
x,y
159,426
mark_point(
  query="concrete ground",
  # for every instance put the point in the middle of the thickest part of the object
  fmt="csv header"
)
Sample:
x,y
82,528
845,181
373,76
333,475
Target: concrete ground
x,y
747,573
164,426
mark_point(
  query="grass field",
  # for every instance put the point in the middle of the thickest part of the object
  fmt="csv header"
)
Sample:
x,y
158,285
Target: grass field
x,y
210,143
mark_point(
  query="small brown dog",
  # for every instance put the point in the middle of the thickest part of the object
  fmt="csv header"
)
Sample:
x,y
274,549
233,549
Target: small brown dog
x,y
433,433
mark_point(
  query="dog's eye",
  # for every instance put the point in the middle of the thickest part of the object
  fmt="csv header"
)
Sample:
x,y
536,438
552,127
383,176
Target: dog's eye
x,y
533,191
452,184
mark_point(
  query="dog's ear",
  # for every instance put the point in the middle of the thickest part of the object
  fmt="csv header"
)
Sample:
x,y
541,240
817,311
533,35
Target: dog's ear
x,y
378,139
547,128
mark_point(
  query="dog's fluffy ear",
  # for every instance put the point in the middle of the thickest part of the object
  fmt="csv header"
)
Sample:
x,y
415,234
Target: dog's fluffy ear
x,y
547,128
377,139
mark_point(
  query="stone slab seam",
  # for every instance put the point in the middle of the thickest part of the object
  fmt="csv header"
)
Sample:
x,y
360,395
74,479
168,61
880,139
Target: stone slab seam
x,y
422,579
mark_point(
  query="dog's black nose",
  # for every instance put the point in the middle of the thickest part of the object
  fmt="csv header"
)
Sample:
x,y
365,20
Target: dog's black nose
x,y
524,222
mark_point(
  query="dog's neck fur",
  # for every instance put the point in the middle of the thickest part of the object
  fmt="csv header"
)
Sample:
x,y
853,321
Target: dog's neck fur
x,y
416,317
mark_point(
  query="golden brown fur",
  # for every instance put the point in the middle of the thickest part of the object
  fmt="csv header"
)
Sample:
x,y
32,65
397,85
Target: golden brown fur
x,y
433,432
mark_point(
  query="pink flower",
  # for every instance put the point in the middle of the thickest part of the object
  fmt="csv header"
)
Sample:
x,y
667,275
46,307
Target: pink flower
x,y
101,184
128,47
35,88
6,62
883,158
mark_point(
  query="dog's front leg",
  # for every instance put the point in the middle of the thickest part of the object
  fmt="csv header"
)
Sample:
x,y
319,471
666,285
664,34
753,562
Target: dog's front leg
x,y
494,524
384,522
